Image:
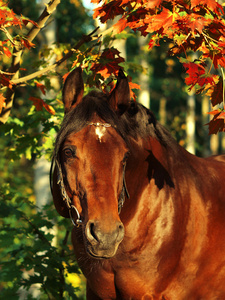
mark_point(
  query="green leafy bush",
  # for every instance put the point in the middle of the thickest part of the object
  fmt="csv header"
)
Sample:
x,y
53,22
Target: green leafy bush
x,y
35,248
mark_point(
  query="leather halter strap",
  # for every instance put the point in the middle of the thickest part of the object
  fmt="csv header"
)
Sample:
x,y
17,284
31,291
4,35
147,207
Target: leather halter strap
x,y
76,221
55,163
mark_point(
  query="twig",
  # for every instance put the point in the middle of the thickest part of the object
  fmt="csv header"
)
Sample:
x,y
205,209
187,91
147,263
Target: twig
x,y
37,231
85,39
6,73
8,35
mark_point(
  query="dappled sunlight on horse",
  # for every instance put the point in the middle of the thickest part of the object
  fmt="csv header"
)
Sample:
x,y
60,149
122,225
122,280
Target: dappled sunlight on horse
x,y
149,217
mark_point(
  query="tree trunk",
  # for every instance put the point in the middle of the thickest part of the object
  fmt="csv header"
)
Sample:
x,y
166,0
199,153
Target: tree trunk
x,y
190,123
144,94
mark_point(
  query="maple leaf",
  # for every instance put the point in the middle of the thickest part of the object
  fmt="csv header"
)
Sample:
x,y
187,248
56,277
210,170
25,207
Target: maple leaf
x,y
5,81
218,59
96,1
161,21
26,21
8,17
195,71
26,43
39,104
153,4
65,76
108,63
2,102
211,5
216,92
197,23
120,26
108,11
217,124
133,86
7,51
41,86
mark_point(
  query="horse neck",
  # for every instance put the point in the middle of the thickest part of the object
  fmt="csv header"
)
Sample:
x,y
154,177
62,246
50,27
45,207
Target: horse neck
x,y
151,179
149,161
154,212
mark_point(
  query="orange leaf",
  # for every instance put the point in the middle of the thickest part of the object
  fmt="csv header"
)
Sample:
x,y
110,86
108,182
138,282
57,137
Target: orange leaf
x,y
41,86
26,43
7,51
133,86
2,102
153,4
161,21
65,76
120,26
39,104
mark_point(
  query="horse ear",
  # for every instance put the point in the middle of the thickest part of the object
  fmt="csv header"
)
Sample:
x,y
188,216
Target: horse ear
x,y
120,97
73,89
60,205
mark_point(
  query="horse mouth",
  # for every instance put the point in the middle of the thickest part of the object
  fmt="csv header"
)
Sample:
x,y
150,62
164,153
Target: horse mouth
x,y
98,252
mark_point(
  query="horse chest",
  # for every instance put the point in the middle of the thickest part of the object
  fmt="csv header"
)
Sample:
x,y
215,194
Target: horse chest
x,y
121,283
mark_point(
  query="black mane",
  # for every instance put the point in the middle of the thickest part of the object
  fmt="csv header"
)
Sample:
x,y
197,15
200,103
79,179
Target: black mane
x,y
137,121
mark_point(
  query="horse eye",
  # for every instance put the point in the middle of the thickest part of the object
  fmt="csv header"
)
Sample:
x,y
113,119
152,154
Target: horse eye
x,y
69,152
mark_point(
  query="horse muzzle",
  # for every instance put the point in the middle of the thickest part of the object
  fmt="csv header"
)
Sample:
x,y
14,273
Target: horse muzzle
x,y
102,243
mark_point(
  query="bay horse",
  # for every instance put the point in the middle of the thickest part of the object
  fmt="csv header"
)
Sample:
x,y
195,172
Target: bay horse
x,y
149,217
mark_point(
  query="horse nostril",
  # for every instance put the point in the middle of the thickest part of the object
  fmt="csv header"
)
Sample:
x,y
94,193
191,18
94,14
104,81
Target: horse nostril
x,y
93,231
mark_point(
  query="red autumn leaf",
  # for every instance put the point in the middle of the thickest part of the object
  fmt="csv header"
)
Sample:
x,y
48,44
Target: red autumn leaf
x,y
108,11
215,112
26,21
153,4
218,60
195,72
96,1
216,94
41,86
133,86
2,102
8,17
197,23
217,124
161,21
26,43
5,81
39,104
212,5
222,116
7,51
65,76
120,26
108,63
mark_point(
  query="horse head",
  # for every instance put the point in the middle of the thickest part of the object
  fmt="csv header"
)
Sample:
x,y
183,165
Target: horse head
x,y
90,155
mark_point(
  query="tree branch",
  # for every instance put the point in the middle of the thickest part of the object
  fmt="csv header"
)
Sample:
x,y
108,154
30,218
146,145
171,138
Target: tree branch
x,y
85,39
17,54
